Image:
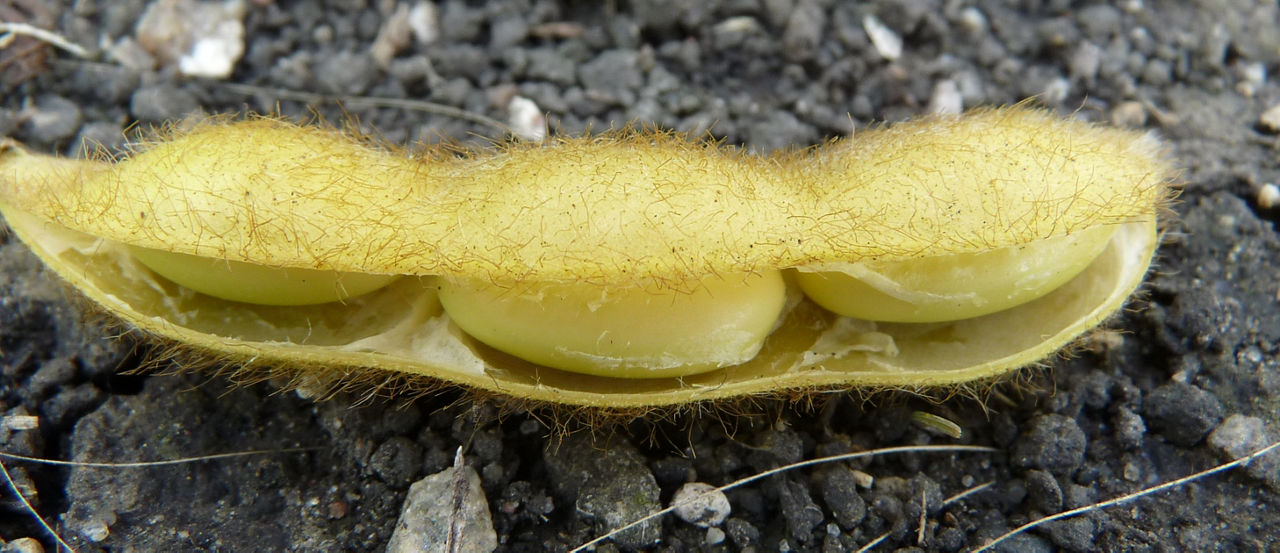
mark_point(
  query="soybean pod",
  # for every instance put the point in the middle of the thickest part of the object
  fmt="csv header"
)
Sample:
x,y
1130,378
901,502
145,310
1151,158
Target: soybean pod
x,y
630,269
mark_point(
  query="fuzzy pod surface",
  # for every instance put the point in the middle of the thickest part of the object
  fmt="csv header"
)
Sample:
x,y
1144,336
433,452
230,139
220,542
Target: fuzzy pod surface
x,y
626,209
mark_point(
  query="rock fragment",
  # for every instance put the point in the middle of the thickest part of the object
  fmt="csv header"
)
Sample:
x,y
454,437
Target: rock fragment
x,y
1270,119
204,39
701,504
446,511
887,42
1240,436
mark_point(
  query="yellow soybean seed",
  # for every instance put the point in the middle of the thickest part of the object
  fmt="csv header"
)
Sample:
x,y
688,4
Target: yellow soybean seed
x,y
646,212
630,332
252,283
952,287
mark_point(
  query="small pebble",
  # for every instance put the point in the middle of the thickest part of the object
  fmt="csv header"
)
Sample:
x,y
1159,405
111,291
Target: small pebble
x,y
701,504
1268,196
742,533
530,427
1129,114
128,53
526,119
1073,534
70,404
1158,72
803,34
394,36
204,39
734,31
1132,472
1251,77
1056,90
1270,119
1085,61
799,509
776,447
51,119
779,131
608,486
21,481
973,20
1043,492
887,42
507,32
162,103
1183,413
863,479
95,530
613,72
425,519
424,21
346,73
52,375
1241,435
715,536
946,98
460,23
23,545
548,64
96,139
1052,442
397,461
838,486
1129,429
1099,22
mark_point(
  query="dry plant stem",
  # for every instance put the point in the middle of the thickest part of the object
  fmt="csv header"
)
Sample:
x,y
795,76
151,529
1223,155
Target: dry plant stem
x,y
968,492
871,544
9,29
456,502
145,464
1129,497
794,466
370,101
923,520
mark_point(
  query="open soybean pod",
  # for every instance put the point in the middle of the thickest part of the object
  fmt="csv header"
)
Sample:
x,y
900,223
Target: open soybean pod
x,y
626,270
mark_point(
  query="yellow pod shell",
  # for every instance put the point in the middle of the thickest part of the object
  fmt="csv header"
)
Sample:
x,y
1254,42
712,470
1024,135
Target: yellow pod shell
x,y
631,208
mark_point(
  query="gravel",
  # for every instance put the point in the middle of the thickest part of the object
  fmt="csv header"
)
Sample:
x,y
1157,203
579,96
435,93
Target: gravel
x,y
53,119
397,461
609,483
1183,413
1241,435
802,514
448,507
160,103
701,504
1051,442
840,494
1192,381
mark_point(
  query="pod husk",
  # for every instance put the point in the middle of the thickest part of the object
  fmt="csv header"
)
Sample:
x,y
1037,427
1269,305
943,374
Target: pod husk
x,y
626,208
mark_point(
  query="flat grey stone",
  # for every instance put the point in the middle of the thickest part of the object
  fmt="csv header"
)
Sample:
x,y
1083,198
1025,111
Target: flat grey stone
x,y
446,505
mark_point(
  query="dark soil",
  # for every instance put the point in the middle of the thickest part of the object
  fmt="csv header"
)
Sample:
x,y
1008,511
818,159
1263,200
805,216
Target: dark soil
x,y
1197,353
